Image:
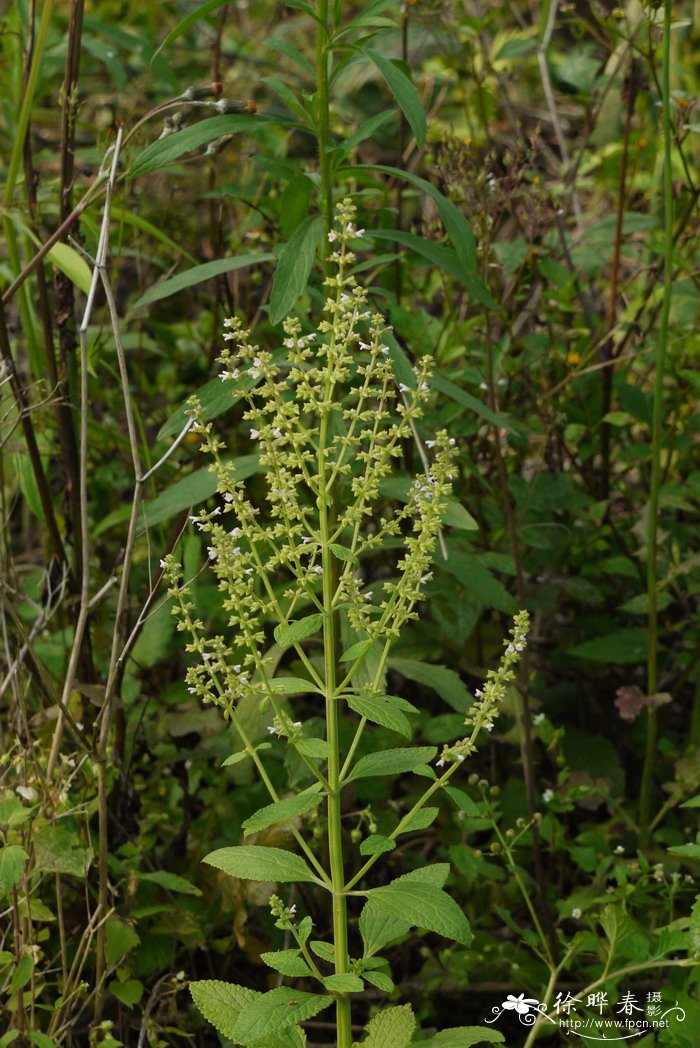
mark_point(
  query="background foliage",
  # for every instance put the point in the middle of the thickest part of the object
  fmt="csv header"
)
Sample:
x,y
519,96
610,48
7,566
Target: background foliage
x,y
539,293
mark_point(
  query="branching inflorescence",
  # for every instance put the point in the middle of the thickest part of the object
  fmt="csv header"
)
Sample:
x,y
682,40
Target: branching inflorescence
x,y
330,420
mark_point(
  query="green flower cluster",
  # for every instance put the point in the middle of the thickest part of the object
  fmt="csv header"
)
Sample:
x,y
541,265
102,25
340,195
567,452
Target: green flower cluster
x,y
329,419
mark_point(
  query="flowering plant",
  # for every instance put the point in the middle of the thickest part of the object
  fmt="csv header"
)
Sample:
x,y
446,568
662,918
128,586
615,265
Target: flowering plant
x,y
329,424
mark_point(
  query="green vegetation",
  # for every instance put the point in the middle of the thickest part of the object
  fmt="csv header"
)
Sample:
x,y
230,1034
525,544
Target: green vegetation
x,y
405,295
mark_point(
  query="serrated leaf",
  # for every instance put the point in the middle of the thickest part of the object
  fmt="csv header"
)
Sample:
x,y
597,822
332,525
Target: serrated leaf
x,y
295,632
378,928
315,748
464,1037
404,91
324,950
256,863
390,1028
342,553
220,1003
392,762
198,275
274,1011
284,811
380,980
171,881
13,859
424,906
12,812
288,962
464,802
376,844
166,150
381,709
294,266
420,820
356,651
344,983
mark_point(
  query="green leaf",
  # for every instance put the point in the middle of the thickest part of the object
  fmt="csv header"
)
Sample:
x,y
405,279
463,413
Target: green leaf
x,y
404,91
456,226
295,632
13,859
284,811
380,980
392,762
288,97
192,490
166,150
121,939
220,1003
464,802
276,1010
344,983
197,275
295,262
186,23
324,950
73,265
256,863
41,1040
12,812
171,881
464,1037
620,646
390,1028
129,992
292,686
456,516
59,850
22,974
367,129
381,709
313,748
694,802
444,681
343,554
687,851
235,758
356,651
460,396
424,906
8,1038
420,820
376,844
287,962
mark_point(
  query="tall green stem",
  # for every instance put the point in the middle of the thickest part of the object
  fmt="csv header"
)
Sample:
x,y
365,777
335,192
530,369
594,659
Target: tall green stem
x,y
655,482
323,120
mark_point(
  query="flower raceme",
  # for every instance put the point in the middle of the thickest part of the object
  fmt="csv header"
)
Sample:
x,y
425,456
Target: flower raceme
x,y
329,420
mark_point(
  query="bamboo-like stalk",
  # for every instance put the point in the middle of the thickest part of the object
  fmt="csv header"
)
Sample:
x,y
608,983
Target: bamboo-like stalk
x,y
652,551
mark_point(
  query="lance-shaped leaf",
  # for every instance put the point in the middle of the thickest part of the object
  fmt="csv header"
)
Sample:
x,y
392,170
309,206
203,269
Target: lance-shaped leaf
x,y
256,863
197,275
283,811
295,262
404,91
166,150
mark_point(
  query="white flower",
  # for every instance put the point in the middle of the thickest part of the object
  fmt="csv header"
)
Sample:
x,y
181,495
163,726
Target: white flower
x,y
430,443
440,762
318,569
576,913
162,563
538,718
228,322
332,236
547,796
461,758
619,850
403,387
296,724
255,433
272,729
359,233
28,792
292,908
